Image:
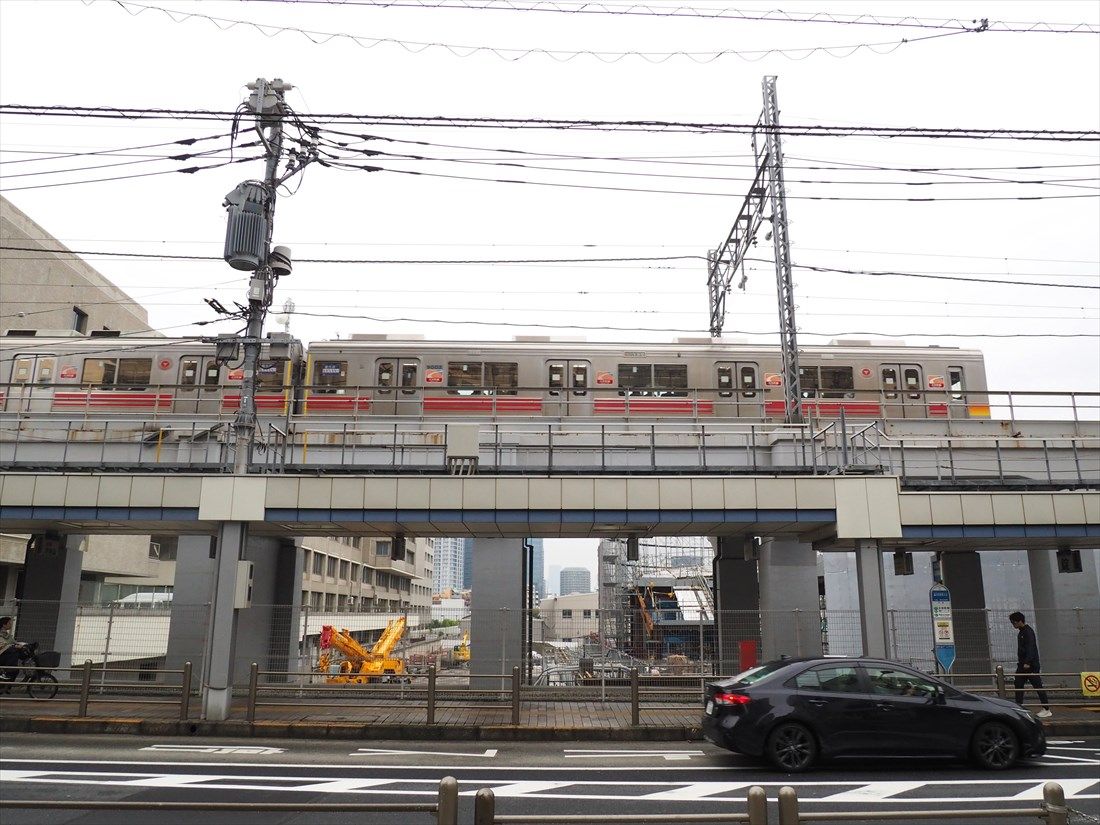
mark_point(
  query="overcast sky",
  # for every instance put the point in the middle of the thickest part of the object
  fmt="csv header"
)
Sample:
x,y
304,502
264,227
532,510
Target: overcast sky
x,y
133,55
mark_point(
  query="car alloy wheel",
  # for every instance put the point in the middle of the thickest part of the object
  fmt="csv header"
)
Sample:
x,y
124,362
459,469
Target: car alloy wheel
x,y
792,748
996,746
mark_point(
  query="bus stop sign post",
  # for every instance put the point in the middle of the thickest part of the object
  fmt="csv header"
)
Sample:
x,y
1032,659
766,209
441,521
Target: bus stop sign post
x,y
943,629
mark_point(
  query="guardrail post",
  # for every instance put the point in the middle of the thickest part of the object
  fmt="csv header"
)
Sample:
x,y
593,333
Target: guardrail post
x,y
999,678
431,695
788,806
757,802
253,687
635,710
515,695
1054,803
485,807
185,692
448,802
85,687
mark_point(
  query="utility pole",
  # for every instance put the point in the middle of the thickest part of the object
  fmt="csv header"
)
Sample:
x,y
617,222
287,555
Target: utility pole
x,y
729,258
248,247
788,329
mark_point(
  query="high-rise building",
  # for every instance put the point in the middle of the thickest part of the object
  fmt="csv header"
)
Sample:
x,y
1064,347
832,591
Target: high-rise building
x,y
538,570
450,564
575,580
468,564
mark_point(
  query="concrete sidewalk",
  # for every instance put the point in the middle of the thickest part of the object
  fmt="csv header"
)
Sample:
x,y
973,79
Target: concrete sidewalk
x,y
549,721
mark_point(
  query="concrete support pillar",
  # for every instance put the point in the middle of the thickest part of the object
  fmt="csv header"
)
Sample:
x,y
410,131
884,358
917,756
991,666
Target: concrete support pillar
x,y
962,573
1067,612
790,613
48,593
496,607
736,601
217,695
872,599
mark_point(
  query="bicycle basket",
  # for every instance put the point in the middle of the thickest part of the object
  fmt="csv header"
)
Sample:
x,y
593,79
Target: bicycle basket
x,y
49,660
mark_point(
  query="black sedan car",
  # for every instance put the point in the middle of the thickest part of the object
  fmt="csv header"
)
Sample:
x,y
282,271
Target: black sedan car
x,y
795,711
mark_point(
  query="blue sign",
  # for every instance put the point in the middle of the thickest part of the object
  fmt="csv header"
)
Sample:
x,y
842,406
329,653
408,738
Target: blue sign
x,y
945,655
943,628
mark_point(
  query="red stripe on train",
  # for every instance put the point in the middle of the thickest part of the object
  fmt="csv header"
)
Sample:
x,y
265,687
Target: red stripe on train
x,y
263,402
653,405
337,403
828,409
128,400
486,404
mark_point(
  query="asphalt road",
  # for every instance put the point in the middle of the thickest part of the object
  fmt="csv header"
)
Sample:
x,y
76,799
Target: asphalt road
x,y
528,778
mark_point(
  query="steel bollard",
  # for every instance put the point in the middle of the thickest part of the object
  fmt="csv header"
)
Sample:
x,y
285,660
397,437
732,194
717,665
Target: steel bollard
x,y
185,692
485,807
1002,691
515,695
253,687
757,802
635,710
431,694
788,806
1054,803
448,801
85,687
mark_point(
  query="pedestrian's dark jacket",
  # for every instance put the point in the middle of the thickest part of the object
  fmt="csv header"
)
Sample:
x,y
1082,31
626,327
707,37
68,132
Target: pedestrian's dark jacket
x,y
1027,648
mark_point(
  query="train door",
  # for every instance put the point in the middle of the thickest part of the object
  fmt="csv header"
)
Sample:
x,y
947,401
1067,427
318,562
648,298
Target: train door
x,y
569,387
739,394
957,405
32,382
198,385
902,395
397,387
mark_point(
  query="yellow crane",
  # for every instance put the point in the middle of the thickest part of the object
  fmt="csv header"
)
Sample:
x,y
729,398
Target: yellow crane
x,y
462,650
361,665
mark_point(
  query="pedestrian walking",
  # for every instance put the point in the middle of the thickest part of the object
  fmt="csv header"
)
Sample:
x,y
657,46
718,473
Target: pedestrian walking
x,y
1027,663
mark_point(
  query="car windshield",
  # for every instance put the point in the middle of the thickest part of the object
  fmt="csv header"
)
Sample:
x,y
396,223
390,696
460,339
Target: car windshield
x,y
755,674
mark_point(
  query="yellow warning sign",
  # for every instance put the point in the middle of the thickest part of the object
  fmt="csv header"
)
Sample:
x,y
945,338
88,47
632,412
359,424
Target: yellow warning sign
x,y
1090,684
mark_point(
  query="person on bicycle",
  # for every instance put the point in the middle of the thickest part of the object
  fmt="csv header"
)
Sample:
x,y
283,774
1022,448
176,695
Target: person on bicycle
x,y
10,650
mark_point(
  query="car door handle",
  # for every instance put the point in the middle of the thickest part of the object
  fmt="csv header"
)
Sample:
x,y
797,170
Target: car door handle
x,y
966,713
883,706
819,702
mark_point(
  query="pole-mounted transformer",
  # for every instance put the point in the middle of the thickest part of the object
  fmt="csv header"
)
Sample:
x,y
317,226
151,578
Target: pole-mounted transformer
x,y
247,230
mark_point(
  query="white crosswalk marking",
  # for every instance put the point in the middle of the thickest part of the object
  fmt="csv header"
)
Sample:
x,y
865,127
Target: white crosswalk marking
x,y
873,791
170,780
526,788
1072,787
341,785
697,790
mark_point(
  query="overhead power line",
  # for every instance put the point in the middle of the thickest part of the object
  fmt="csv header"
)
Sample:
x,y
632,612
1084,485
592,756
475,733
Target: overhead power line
x,y
512,261
512,53
463,121
187,170
182,142
691,12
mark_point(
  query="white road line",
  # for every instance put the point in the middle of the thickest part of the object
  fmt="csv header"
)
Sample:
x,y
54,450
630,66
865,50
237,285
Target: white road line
x,y
526,788
697,790
488,754
244,750
873,792
176,780
667,755
1077,760
1072,787
1086,750
341,785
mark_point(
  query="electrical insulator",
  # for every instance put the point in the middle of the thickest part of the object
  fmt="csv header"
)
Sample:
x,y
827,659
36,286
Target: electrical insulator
x,y
246,229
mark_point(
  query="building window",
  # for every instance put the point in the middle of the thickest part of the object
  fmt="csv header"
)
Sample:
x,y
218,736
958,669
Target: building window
x,y
587,614
331,570
80,320
567,614
367,575
382,548
354,573
330,601
344,569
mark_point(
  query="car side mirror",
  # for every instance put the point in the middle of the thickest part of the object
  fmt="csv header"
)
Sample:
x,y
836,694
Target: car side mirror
x,y
939,697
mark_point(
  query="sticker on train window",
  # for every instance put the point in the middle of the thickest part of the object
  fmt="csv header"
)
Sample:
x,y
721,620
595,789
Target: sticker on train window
x,y
605,378
237,375
67,372
935,382
773,379
433,375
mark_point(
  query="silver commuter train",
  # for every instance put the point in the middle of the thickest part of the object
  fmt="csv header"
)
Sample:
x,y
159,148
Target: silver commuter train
x,y
374,375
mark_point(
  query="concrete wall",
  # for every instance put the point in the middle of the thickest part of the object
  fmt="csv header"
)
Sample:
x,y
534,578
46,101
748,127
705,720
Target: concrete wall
x,y
45,287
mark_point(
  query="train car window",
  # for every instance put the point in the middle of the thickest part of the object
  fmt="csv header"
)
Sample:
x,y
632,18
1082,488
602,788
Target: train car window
x,y
635,379
408,379
912,381
670,379
330,377
555,377
748,382
212,377
270,376
580,379
725,382
837,382
889,382
955,382
98,371
809,379
21,372
466,374
45,370
503,378
134,372
189,372
385,376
